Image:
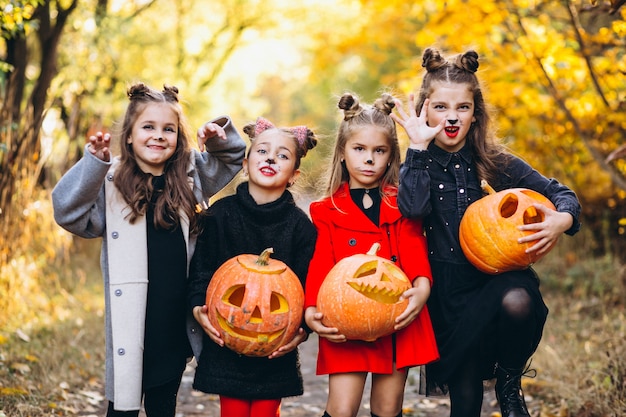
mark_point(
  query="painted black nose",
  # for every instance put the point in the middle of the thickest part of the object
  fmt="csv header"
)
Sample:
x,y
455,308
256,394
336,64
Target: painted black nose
x,y
270,161
453,121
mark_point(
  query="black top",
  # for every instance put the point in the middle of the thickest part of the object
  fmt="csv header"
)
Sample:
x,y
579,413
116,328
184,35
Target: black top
x,y
237,225
464,302
166,345
439,186
372,212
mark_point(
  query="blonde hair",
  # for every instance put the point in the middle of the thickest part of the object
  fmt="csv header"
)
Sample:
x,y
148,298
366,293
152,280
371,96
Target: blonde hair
x,y
356,116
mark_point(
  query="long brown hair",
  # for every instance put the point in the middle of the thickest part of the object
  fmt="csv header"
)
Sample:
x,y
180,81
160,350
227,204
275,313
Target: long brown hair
x,y
135,185
356,116
461,69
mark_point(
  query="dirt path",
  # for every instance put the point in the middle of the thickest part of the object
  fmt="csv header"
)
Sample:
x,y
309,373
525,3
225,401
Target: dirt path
x,y
311,404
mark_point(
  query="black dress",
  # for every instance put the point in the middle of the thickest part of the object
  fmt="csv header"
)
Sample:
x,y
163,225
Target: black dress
x,y
166,346
237,225
464,302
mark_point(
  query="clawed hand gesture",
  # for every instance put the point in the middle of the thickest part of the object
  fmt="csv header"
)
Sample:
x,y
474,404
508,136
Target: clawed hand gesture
x,y
416,127
207,131
99,146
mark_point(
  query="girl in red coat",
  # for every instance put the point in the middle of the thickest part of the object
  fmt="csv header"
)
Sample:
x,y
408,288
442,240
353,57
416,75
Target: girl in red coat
x,y
360,209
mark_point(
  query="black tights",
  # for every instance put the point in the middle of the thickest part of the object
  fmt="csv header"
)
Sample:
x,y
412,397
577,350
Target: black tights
x,y
516,328
372,414
466,390
158,402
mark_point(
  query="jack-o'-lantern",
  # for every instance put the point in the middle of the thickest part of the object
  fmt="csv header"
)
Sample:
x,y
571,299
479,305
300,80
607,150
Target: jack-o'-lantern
x,y
489,233
256,303
360,296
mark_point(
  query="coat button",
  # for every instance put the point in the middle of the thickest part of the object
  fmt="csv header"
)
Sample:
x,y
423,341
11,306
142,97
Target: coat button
x,y
121,351
115,235
352,242
109,177
394,258
118,293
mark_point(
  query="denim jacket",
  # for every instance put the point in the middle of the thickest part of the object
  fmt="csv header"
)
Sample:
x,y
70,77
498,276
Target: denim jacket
x,y
439,186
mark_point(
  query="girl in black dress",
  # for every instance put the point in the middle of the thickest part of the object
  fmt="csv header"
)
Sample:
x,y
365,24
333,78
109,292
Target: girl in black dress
x,y
262,214
485,325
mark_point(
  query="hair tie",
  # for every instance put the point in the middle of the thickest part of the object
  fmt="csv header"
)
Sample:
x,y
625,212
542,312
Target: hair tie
x,y
262,125
301,133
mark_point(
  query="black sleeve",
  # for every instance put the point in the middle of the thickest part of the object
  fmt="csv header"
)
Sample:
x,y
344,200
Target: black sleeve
x,y
414,187
203,263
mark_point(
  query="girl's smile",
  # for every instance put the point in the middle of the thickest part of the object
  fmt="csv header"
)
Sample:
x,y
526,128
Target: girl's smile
x,y
154,137
270,165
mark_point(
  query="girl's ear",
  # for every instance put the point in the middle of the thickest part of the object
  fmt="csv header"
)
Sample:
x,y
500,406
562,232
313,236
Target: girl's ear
x,y
129,140
293,178
244,166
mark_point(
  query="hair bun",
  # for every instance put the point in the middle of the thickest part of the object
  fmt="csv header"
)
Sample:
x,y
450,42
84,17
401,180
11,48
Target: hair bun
x,y
137,90
385,103
170,92
432,59
467,61
350,105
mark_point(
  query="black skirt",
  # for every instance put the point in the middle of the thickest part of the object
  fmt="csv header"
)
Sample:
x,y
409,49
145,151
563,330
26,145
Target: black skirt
x,y
464,305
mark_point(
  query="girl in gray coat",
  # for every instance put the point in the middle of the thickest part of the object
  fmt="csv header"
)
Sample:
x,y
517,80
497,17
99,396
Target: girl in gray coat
x,y
144,205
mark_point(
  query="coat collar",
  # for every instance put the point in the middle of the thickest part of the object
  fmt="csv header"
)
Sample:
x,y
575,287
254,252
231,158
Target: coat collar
x,y
443,157
342,202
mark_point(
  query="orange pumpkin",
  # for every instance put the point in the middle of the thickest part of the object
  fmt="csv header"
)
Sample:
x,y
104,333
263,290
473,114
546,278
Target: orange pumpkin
x,y
488,231
256,303
361,296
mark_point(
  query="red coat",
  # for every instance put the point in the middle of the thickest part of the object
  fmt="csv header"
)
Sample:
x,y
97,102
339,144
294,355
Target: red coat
x,y
344,230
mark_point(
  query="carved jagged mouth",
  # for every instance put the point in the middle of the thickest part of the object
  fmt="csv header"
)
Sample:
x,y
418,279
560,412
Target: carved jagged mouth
x,y
247,335
379,292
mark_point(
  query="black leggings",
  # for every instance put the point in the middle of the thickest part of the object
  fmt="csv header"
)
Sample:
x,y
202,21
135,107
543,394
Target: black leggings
x,y
516,325
158,402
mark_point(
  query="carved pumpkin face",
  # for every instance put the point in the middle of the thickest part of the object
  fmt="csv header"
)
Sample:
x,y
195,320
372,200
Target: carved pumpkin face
x,y
361,296
256,303
488,231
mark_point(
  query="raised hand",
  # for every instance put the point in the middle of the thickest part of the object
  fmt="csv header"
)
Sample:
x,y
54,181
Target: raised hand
x,y
416,127
208,131
99,145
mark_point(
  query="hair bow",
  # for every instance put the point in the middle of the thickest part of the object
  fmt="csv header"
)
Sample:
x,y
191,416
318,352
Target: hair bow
x,y
300,132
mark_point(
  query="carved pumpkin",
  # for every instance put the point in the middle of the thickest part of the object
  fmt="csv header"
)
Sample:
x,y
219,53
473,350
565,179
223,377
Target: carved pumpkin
x,y
361,296
488,231
256,303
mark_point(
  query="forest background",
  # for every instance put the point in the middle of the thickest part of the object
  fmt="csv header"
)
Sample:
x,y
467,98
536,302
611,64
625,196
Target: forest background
x,y
554,72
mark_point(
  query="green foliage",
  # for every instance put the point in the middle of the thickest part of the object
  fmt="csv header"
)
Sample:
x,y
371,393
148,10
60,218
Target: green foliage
x,y
15,19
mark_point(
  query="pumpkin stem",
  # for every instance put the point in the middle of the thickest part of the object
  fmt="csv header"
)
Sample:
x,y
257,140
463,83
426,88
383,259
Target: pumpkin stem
x,y
486,187
374,249
264,257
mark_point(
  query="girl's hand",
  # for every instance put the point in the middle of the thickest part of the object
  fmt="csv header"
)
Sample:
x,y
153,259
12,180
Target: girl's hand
x,y
416,127
417,296
548,231
99,146
207,131
200,313
300,337
313,319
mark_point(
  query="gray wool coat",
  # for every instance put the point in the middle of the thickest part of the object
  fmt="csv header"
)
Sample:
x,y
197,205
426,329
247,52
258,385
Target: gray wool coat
x,y
87,203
